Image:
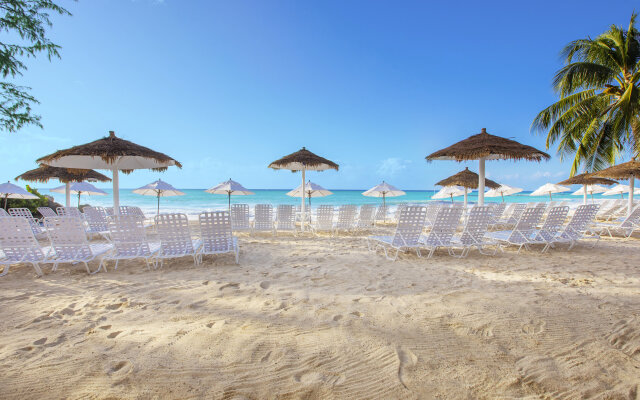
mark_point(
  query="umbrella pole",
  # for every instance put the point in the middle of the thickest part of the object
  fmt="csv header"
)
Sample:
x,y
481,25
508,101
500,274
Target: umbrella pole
x,y
502,194
116,193
302,218
158,212
632,182
384,206
6,196
481,182
592,200
452,197
465,198
67,194
584,187
79,200
229,202
550,199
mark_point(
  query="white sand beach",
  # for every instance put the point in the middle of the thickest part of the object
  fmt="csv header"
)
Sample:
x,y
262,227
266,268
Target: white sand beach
x,y
322,318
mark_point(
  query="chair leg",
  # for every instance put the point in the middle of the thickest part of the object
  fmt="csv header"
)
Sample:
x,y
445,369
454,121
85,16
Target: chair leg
x,y
5,270
37,268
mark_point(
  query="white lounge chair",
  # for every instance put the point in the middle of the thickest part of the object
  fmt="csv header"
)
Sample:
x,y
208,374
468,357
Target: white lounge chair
x,y
366,217
381,213
129,239
109,211
346,218
69,212
524,230
408,231
175,238
96,219
38,230
624,226
475,231
578,227
324,219
216,235
551,227
240,217
4,213
263,218
69,243
18,245
285,218
47,212
442,230
511,216
498,212
432,212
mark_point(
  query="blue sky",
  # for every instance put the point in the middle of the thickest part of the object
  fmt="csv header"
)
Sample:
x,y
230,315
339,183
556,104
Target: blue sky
x,y
226,87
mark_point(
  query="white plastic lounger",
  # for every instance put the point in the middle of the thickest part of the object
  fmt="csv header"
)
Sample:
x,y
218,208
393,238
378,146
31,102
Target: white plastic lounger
x,y
625,226
285,218
475,231
551,227
511,216
216,235
69,243
442,230
263,218
175,238
381,213
47,212
366,217
69,212
127,233
38,230
346,218
578,226
432,213
18,245
408,231
240,217
324,219
96,219
524,231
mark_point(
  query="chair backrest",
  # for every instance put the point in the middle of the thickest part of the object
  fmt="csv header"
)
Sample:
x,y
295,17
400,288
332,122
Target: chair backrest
x,y
498,211
285,217
68,212
516,212
381,213
132,210
553,223
47,212
128,235
366,215
324,218
240,217
346,216
215,231
445,226
410,223
630,221
96,219
529,219
432,212
263,218
174,234
579,222
399,208
109,211
477,224
17,241
68,237
26,214
4,213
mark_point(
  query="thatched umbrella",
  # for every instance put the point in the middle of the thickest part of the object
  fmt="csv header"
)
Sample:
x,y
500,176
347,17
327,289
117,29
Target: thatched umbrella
x,y
629,170
468,180
110,153
44,173
484,146
303,160
586,180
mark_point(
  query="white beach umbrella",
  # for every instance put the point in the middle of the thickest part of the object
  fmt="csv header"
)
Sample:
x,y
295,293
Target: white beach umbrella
x,y
79,188
230,188
449,192
549,188
503,190
10,191
110,153
310,190
619,189
384,190
159,189
589,189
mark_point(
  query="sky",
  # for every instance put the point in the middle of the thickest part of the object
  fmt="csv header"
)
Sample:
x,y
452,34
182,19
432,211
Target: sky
x,y
226,87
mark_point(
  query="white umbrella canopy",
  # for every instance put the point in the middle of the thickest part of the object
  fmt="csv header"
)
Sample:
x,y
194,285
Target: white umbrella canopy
x,y
548,189
503,190
619,189
159,189
310,190
230,188
384,190
80,188
589,189
110,153
10,191
449,192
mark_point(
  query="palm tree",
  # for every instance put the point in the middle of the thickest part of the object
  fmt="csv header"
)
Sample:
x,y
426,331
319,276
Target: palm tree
x,y
597,118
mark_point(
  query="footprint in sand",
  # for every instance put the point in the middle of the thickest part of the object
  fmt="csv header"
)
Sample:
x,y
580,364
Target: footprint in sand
x,y
119,369
406,360
205,283
230,285
265,284
105,327
337,317
26,348
534,327
40,341
113,335
357,313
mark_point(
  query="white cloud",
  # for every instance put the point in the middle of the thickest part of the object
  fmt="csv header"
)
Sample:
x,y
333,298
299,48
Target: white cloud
x,y
392,166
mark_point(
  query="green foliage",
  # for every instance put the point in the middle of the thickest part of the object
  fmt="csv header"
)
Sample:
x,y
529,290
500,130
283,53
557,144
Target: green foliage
x,y
32,205
28,20
597,118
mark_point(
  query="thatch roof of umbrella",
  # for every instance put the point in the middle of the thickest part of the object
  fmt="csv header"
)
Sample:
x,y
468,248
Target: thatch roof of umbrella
x,y
303,158
468,179
587,179
489,147
621,171
44,173
110,149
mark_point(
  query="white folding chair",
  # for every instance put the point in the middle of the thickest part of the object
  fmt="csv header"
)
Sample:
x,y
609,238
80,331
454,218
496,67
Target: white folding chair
x,y
366,217
216,235
175,238
511,216
96,219
346,218
475,231
443,229
47,212
524,230
69,212
18,244
432,213
410,224
625,226
263,218
324,219
551,227
38,230
578,226
381,213
129,239
285,218
240,217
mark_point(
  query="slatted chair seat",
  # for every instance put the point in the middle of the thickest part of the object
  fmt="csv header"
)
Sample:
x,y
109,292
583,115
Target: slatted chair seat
x,y
524,230
324,219
263,218
443,229
175,238
216,235
474,233
406,236
285,218
240,217
129,239
18,245
38,230
346,218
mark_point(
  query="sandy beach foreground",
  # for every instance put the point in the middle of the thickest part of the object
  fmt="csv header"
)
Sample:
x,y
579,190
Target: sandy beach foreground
x,y
320,318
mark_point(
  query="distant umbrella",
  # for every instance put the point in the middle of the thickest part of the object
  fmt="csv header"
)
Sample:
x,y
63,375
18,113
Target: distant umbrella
x,y
589,189
503,190
485,146
629,170
310,190
548,189
159,189
468,180
586,180
449,191
10,191
619,189
230,188
80,188
303,160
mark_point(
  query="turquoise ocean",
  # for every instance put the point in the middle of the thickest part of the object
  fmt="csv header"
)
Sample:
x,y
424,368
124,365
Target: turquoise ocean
x,y
196,200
